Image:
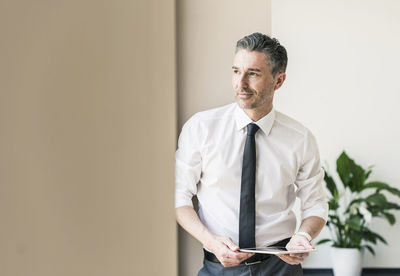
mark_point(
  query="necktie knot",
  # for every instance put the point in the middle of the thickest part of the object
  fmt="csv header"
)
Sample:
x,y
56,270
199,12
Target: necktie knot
x,y
252,129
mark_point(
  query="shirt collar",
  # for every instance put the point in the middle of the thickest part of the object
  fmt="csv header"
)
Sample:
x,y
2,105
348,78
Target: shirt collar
x,y
265,123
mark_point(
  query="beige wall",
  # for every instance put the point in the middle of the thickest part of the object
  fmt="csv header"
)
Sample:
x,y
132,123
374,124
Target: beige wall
x,y
88,133
207,34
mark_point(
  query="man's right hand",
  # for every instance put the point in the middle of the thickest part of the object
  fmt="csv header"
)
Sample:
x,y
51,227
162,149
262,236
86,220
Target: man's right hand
x,y
223,248
227,251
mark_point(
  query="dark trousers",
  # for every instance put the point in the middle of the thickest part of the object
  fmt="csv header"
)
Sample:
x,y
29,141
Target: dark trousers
x,y
273,266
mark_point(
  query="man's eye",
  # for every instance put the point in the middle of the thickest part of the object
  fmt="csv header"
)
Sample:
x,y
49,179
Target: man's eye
x,y
253,74
235,71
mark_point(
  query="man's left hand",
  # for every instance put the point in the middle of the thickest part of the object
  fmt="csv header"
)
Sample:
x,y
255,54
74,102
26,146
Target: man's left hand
x,y
296,242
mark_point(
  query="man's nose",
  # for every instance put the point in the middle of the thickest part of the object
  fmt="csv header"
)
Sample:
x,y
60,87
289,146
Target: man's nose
x,y
243,82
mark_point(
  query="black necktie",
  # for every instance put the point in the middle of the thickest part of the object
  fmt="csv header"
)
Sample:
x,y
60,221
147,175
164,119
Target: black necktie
x,y
247,219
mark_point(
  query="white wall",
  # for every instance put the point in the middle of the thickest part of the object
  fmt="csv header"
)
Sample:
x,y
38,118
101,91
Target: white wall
x,y
343,84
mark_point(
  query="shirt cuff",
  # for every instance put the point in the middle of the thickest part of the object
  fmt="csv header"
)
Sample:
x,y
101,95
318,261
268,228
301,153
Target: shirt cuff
x,y
318,210
183,199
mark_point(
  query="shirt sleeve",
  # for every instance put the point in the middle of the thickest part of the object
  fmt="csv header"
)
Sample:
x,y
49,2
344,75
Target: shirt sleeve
x,y
309,181
188,163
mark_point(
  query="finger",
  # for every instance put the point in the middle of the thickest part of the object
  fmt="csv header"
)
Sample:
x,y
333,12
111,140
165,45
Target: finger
x,y
286,259
295,259
232,246
304,243
282,257
227,260
295,254
299,255
291,261
229,255
243,256
308,246
236,256
230,262
295,246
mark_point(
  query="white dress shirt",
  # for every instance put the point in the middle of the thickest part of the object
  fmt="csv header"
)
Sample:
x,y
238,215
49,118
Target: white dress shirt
x,y
209,165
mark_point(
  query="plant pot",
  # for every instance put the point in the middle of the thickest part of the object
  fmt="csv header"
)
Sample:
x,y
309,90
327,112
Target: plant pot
x,y
346,261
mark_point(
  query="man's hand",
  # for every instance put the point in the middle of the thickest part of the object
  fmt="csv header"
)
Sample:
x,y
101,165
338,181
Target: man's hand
x,y
227,251
296,242
223,248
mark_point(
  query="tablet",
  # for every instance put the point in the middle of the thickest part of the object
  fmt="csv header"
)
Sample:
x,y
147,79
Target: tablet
x,y
275,250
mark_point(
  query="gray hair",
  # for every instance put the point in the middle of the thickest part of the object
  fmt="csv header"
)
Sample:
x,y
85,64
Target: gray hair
x,y
270,46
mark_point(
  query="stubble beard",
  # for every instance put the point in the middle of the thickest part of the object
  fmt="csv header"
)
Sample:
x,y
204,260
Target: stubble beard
x,y
255,102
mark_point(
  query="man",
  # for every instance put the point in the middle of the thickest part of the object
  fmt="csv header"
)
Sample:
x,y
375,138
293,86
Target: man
x,y
247,162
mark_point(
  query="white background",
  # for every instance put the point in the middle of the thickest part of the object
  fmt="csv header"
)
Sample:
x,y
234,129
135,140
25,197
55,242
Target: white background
x,y
343,84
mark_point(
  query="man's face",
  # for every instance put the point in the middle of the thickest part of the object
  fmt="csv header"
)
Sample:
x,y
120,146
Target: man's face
x,y
252,80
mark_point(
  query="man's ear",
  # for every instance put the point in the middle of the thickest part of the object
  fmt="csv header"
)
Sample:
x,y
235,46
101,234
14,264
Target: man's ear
x,y
280,79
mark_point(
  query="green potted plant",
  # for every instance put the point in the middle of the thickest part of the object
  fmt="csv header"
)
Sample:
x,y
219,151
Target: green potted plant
x,y
352,206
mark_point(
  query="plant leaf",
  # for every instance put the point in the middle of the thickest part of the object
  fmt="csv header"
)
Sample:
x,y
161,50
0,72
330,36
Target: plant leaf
x,y
382,186
370,249
369,237
372,236
354,222
377,199
331,185
357,200
358,177
379,237
333,204
391,205
367,173
324,241
389,217
351,174
343,168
